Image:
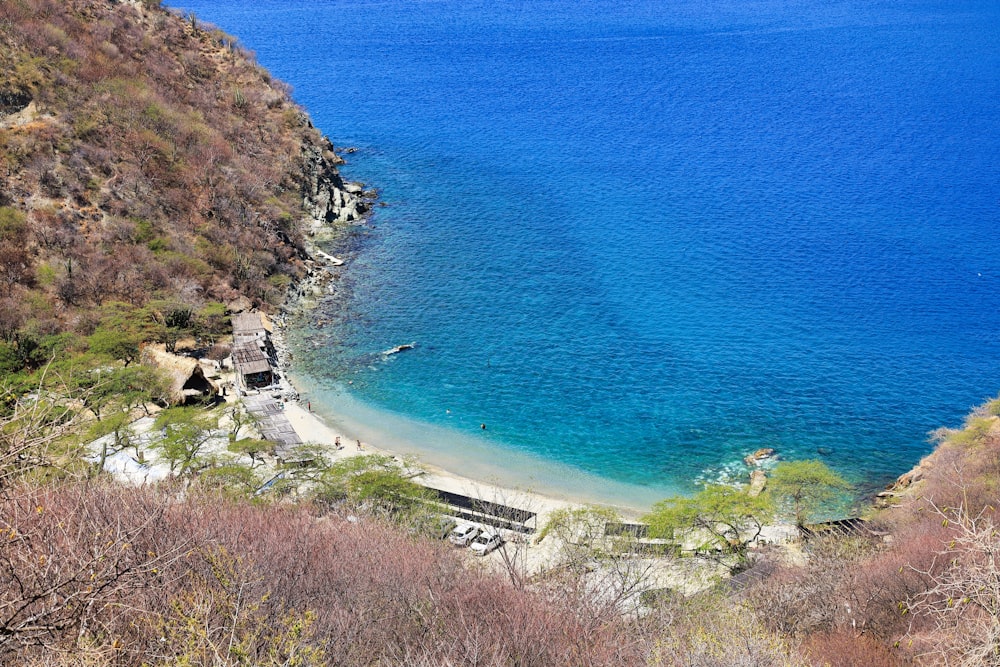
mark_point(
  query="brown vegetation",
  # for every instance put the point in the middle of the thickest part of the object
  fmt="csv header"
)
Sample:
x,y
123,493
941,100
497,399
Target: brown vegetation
x,y
160,162
920,590
149,172
104,574
128,575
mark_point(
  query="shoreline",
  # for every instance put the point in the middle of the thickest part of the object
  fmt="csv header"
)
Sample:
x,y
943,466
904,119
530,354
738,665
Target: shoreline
x,y
314,424
501,471
318,424
332,204
312,428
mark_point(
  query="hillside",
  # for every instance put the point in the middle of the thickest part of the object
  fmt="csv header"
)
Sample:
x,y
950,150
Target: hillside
x,y
145,159
154,178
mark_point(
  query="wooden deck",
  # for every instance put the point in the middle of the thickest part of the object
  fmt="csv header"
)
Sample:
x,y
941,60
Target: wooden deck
x,y
273,425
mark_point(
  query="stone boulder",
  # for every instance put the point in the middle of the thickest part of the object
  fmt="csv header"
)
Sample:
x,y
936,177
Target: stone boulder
x,y
759,456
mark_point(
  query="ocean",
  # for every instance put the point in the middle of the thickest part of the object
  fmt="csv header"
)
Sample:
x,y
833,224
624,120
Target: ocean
x,y
633,242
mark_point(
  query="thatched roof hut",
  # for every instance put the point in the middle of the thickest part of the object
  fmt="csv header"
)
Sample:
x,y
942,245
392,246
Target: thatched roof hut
x,y
188,383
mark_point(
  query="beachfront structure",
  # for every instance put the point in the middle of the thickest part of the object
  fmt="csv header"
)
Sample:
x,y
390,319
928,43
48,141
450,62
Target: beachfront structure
x,y
275,427
483,511
188,383
249,329
253,370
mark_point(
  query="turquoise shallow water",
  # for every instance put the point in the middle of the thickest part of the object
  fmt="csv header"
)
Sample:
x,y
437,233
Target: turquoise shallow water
x,y
640,240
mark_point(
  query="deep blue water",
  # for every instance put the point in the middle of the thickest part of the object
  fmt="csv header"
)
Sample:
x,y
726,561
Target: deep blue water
x,y
638,240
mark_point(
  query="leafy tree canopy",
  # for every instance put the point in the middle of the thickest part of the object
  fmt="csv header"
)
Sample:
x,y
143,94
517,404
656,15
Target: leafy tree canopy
x,y
808,486
718,518
186,431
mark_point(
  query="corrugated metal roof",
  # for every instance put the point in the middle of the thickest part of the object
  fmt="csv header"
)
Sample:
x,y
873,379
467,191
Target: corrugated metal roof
x,y
273,424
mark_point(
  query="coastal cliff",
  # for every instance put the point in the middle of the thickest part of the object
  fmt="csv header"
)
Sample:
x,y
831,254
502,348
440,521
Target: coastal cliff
x,y
326,197
146,158
961,459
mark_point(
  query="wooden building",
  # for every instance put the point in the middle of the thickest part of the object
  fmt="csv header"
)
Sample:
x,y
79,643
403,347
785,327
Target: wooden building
x,y
249,328
275,427
253,370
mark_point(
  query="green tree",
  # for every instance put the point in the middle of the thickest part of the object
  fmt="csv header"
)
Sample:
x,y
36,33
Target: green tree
x,y
252,447
122,328
101,389
581,531
31,427
119,426
378,483
231,478
239,417
211,322
172,321
387,491
119,344
592,561
718,519
808,486
186,431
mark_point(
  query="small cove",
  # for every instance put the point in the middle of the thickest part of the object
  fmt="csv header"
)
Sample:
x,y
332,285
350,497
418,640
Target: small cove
x,y
640,245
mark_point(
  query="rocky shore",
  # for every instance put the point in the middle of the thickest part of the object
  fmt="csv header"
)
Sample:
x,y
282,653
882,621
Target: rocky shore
x,y
331,204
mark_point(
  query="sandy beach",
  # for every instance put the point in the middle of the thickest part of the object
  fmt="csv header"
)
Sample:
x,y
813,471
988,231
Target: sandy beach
x,y
312,428
532,555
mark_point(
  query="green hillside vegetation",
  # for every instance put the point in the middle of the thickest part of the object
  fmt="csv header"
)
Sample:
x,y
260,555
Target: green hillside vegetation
x,y
154,173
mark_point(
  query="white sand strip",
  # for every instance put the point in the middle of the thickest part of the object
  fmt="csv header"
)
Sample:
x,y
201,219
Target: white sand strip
x,y
311,428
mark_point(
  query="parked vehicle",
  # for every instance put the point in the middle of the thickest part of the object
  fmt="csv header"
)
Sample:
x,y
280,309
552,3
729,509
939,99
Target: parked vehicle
x,y
485,542
463,534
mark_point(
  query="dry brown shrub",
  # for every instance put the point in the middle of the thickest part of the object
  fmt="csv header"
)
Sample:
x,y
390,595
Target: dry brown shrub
x,y
74,559
847,649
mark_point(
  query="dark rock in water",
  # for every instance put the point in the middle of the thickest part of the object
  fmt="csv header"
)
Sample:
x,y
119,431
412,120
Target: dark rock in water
x,y
824,451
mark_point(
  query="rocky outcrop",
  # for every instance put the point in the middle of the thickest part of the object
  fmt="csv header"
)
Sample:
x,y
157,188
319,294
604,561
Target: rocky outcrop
x,y
759,456
12,101
326,197
905,482
758,481
16,108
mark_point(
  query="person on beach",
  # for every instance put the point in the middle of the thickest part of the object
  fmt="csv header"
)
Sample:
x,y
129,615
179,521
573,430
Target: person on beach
x,y
359,446
336,442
